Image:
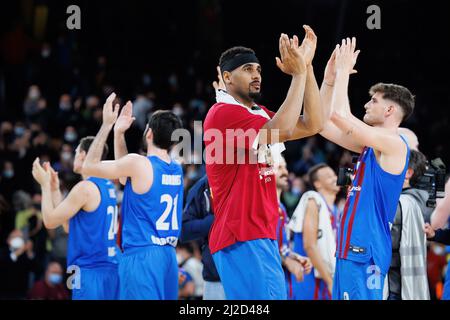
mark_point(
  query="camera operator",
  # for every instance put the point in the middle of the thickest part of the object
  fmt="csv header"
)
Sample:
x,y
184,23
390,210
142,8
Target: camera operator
x,y
441,215
440,219
407,276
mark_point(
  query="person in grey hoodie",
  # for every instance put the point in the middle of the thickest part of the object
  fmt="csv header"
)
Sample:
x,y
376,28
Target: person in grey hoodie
x,y
407,276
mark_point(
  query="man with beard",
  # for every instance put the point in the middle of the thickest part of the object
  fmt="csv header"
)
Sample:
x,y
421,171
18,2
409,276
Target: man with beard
x,y
242,139
295,266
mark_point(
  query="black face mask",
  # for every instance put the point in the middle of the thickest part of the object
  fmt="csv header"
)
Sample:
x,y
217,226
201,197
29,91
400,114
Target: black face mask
x,y
37,206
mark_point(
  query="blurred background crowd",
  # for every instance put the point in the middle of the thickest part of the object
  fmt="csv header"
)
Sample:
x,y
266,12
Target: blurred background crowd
x,y
53,82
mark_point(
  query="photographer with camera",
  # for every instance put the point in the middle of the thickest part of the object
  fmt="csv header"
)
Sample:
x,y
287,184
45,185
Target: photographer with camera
x,y
440,219
441,215
407,276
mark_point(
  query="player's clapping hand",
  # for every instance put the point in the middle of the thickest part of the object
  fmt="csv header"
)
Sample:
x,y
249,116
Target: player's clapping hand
x,y
54,181
309,44
306,264
42,176
292,59
330,70
125,118
110,110
295,267
219,84
429,231
346,55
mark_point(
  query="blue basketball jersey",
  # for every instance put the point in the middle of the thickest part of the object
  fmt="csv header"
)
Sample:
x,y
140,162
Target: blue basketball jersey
x,y
92,235
364,231
154,218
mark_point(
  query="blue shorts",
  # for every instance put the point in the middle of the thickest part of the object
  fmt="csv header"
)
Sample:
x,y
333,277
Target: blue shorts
x,y
100,283
149,273
251,270
357,281
311,288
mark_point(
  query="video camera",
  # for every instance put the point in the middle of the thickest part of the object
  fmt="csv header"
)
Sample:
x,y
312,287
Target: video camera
x,y
345,174
433,181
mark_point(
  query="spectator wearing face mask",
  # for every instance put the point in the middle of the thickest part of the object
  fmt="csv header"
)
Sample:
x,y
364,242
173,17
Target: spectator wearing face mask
x,y
52,287
187,261
292,196
71,136
65,164
29,221
8,182
16,263
30,105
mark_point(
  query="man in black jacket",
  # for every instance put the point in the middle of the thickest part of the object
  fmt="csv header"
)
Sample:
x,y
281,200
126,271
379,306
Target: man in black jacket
x,y
197,220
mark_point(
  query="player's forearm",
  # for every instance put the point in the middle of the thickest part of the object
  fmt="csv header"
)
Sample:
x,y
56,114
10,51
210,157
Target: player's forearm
x,y
326,94
312,115
56,197
440,216
287,116
94,154
120,145
47,207
313,254
339,100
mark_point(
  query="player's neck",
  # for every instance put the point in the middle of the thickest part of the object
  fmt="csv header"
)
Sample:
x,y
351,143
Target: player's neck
x,y
393,127
246,102
329,197
160,153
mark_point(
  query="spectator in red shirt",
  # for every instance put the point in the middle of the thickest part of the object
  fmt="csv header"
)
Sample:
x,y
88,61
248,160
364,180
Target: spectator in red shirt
x,y
52,287
242,139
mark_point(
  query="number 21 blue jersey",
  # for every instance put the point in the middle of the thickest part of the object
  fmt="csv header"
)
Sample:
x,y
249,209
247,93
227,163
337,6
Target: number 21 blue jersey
x,y
154,218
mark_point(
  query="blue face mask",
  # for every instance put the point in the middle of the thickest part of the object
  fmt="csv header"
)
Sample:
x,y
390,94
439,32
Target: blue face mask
x,y
19,131
8,174
55,278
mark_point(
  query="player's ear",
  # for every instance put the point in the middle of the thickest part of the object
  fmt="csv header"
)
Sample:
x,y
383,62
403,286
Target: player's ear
x,y
391,109
149,134
409,173
226,75
83,154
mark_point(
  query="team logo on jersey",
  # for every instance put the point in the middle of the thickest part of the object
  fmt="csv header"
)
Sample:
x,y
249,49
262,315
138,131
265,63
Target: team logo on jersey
x,y
266,173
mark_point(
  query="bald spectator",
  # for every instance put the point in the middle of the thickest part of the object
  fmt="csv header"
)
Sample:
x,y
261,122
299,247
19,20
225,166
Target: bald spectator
x,y
411,138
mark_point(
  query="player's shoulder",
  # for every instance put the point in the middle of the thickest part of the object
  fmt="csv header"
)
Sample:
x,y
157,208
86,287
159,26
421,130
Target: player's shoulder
x,y
84,190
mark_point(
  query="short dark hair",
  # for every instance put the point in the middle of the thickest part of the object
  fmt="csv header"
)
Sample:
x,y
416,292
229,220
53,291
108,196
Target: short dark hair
x,y
312,173
399,94
85,144
418,163
163,123
229,54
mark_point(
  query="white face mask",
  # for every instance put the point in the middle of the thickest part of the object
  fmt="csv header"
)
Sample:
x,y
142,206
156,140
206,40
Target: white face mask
x,y
17,243
66,156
